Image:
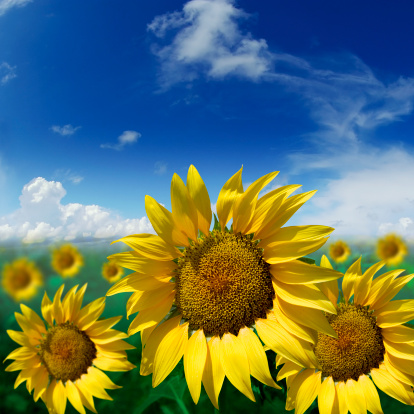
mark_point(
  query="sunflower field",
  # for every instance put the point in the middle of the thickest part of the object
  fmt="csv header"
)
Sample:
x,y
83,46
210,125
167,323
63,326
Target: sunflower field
x,y
137,394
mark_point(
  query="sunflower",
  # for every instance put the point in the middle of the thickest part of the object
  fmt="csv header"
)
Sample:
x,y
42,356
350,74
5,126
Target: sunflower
x,y
63,359
392,249
67,260
373,347
112,272
21,279
339,251
208,296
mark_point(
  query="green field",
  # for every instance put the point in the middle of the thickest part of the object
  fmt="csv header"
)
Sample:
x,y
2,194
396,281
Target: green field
x,y
137,395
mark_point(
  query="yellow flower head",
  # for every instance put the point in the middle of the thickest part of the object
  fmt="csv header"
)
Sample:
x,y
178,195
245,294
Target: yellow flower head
x,y
373,347
199,293
66,260
392,249
21,279
112,272
62,359
339,251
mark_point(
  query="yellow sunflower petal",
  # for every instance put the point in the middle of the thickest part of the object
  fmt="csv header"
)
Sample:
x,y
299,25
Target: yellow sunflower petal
x,y
22,353
153,341
289,368
340,392
163,223
403,365
68,303
398,334
22,339
184,211
41,385
213,374
380,286
151,316
267,207
134,282
371,395
141,264
33,318
308,391
47,307
235,363
77,304
244,206
103,378
169,353
113,364
285,212
59,398
400,350
150,246
293,389
199,195
259,367
327,398
315,319
194,361
101,326
74,397
395,372
93,387
330,289
27,327
308,296
297,272
354,397
395,313
231,190
57,305
86,396
387,383
279,252
90,313
350,276
283,343
363,283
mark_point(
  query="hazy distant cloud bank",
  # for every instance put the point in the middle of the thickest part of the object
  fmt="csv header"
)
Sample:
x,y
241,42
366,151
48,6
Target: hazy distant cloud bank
x,y
7,73
6,5
126,138
42,217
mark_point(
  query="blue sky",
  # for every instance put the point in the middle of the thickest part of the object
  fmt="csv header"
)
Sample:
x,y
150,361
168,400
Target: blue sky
x,y
101,102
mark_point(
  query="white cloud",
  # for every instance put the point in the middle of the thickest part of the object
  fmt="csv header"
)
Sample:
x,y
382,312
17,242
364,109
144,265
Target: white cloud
x,y
372,195
65,129
126,138
42,217
160,168
209,41
6,5
67,175
7,72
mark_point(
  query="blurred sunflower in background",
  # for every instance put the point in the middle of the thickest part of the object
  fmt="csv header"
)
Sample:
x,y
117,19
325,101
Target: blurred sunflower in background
x,y
111,271
21,279
392,249
67,260
339,251
62,359
208,296
373,347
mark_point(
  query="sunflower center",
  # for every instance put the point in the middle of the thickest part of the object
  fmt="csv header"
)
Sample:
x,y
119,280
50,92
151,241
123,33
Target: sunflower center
x,y
359,346
20,280
390,250
66,260
67,352
223,284
111,270
339,251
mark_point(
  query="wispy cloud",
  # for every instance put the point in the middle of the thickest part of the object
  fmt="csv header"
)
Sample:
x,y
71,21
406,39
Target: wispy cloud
x,y
209,41
65,129
7,72
42,217
160,168
6,5
126,138
67,175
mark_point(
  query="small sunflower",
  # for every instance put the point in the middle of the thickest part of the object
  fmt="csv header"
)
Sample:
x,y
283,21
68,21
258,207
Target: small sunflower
x,y
208,296
112,272
373,347
339,251
21,279
67,260
63,359
392,249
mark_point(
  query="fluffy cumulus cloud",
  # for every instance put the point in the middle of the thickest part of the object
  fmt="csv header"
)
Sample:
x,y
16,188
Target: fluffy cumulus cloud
x,y
126,138
65,129
208,40
7,72
6,5
372,194
42,217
